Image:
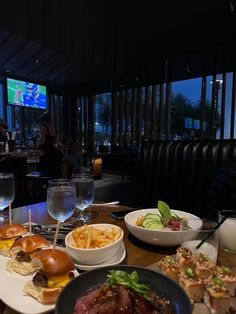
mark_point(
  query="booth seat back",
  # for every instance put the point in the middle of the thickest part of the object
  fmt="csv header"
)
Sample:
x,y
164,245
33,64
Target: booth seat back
x,y
180,172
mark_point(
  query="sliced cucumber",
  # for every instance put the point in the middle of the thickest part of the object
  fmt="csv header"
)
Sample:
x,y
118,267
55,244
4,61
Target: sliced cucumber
x,y
154,216
147,221
156,225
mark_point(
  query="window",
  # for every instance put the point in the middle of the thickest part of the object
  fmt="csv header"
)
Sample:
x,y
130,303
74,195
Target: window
x,y
185,111
102,122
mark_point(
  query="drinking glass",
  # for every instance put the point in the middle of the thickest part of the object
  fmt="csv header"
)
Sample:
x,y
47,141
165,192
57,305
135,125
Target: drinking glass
x,y
7,193
200,236
61,196
228,231
84,183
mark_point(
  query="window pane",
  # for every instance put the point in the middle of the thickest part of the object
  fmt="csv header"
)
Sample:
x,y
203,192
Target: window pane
x,y
228,100
102,123
1,101
32,126
185,109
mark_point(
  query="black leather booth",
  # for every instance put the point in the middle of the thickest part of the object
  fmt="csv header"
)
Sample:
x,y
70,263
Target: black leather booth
x,y
180,172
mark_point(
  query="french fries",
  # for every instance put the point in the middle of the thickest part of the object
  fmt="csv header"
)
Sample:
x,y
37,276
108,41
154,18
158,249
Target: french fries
x,y
89,237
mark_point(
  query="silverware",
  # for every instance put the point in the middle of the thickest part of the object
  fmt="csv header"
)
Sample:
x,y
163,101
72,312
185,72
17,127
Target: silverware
x,y
106,204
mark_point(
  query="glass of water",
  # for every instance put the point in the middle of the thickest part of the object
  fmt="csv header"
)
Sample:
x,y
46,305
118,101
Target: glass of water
x,y
84,183
61,196
7,193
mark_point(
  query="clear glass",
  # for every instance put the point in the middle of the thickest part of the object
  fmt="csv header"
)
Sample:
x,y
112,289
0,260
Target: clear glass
x,y
228,231
200,237
7,193
61,196
84,183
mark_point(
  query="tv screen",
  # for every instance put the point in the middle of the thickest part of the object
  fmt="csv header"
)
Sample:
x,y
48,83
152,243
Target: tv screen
x,y
26,94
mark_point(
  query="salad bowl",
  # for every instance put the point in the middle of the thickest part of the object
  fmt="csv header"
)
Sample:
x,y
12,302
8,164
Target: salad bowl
x,y
162,237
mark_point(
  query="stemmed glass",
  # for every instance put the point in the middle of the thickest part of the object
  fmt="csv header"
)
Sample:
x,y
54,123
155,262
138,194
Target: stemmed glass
x,y
84,183
61,197
7,193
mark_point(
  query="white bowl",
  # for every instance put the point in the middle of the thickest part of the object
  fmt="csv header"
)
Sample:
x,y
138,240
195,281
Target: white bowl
x,y
95,255
157,237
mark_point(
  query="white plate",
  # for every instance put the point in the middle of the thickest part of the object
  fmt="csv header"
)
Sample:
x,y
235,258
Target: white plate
x,y
115,260
11,292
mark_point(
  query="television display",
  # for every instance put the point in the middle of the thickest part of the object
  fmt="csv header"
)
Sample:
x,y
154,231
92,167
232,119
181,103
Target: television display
x,y
26,94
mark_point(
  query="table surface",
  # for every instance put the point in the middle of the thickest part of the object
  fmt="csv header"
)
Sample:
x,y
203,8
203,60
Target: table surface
x,y
138,253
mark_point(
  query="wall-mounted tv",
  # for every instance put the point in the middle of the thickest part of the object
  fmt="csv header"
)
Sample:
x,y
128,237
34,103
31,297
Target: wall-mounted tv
x,y
26,94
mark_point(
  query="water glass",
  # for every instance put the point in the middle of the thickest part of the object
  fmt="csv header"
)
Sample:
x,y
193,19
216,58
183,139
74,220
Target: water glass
x,y
228,231
84,183
7,192
200,237
61,196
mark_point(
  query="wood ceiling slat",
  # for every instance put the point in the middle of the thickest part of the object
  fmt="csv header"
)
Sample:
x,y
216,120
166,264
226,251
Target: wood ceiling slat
x,y
10,46
65,17
24,54
43,55
36,20
52,27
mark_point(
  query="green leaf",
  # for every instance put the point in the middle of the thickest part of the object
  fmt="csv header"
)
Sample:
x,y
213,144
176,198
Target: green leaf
x,y
164,209
130,281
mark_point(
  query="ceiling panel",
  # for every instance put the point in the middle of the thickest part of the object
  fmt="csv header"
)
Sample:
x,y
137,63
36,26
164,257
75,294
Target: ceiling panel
x,y
81,43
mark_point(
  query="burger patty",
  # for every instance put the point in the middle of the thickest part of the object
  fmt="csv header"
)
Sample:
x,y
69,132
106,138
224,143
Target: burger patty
x,y
23,257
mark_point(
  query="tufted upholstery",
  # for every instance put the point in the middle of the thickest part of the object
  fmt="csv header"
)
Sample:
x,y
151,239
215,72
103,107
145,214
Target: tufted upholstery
x,y
180,172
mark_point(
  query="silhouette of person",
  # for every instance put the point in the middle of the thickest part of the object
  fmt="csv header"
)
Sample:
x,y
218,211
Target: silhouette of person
x,y
50,162
222,193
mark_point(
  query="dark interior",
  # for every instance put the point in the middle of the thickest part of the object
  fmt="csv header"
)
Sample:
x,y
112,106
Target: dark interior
x,y
82,47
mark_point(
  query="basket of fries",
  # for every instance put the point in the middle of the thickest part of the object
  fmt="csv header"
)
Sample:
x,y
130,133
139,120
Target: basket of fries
x,y
94,244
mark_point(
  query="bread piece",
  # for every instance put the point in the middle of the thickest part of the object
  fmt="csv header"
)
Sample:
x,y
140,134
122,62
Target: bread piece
x,y
22,268
225,274
204,268
14,230
185,257
191,284
22,251
8,235
169,267
216,296
41,294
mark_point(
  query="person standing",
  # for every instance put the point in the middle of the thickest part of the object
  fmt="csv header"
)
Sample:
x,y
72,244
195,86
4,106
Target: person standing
x,y
3,133
50,162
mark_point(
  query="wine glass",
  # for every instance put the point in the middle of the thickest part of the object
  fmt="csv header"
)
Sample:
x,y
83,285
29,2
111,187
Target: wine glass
x,y
84,183
61,196
7,193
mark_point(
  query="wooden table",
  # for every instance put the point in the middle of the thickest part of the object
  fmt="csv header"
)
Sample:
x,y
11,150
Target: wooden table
x,y
138,253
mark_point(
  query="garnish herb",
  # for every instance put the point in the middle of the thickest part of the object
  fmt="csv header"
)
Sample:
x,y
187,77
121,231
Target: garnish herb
x,y
218,281
226,270
129,280
189,272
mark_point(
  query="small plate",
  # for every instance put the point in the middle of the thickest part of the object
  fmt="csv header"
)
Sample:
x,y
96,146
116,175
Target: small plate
x,y
115,260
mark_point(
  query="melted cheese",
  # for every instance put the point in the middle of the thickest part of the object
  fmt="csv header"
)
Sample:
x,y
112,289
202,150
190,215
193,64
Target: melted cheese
x,y
58,281
6,243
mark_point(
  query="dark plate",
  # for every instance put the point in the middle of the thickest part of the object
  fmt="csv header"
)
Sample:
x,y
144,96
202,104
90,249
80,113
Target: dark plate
x,y
156,281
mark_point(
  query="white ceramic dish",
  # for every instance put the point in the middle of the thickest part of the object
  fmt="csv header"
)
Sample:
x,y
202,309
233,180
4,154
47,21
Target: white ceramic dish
x,y
94,256
114,260
11,292
156,237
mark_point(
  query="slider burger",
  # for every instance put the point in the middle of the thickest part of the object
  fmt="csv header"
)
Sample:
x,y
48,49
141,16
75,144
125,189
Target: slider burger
x,y
22,252
8,235
56,268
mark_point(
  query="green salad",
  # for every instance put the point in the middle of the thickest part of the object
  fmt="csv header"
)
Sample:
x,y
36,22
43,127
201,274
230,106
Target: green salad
x,y
159,221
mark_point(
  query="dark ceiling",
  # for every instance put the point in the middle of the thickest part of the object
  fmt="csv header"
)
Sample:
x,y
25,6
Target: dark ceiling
x,y
85,46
